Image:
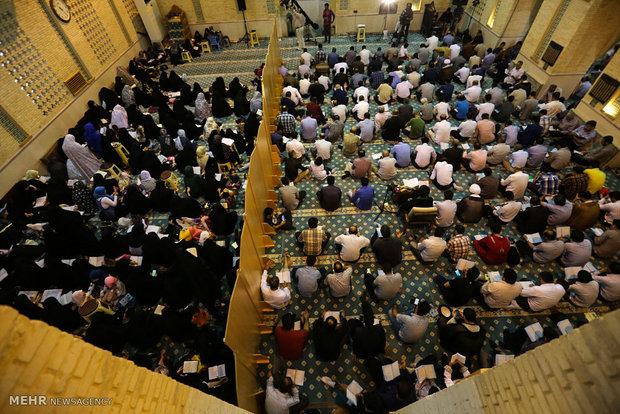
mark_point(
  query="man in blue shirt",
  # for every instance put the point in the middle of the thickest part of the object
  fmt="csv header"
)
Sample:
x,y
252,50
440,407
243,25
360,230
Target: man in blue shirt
x,y
332,58
527,137
461,107
444,92
362,197
340,95
402,153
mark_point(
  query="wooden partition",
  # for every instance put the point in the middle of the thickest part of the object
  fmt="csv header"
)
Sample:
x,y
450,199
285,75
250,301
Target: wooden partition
x,y
245,316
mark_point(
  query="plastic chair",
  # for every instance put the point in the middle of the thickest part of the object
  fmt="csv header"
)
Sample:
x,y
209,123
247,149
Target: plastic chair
x,y
224,167
213,40
419,216
205,47
254,39
186,56
121,151
171,179
113,170
361,32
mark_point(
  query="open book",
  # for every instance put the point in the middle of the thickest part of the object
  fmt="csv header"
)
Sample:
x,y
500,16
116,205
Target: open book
x,y
296,375
526,283
159,309
217,371
494,277
353,389
51,293
30,294
562,231
3,274
96,261
390,371
425,372
411,183
196,170
590,267
284,276
464,265
534,331
152,229
66,298
571,272
297,326
465,146
335,314
501,358
444,146
565,326
376,156
597,232
190,367
479,236
136,260
533,238
68,262
458,357
228,141
40,202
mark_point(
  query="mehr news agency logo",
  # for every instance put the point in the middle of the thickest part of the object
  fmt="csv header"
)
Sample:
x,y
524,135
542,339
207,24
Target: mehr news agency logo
x,y
43,400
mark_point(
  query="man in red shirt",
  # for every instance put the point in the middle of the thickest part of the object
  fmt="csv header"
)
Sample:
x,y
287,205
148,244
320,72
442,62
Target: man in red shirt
x,y
291,341
328,20
493,249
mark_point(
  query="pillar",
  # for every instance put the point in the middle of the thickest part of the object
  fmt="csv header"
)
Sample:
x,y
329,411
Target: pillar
x,y
585,30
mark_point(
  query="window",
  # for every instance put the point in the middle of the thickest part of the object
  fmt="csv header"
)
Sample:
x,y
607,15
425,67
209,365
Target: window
x,y
604,88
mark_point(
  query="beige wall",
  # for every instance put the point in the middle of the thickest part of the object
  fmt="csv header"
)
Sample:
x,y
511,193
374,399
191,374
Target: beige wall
x,y
38,359
576,373
100,39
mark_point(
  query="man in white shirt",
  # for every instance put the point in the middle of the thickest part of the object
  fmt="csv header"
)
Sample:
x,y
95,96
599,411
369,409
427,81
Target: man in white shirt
x,y
296,146
277,297
516,182
403,89
380,117
340,110
472,94
501,294
539,298
424,155
462,74
466,129
431,43
411,325
279,400
429,250
446,210
498,153
442,175
472,78
351,245
515,74
304,84
365,56
295,95
440,132
485,108
340,65
339,282
441,109
322,148
360,109
307,57
507,211
455,50
555,106
516,160
324,80
361,90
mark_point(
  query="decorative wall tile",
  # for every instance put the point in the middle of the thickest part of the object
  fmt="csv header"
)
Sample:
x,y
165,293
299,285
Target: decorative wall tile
x,y
93,29
198,10
271,6
132,11
29,69
556,21
11,127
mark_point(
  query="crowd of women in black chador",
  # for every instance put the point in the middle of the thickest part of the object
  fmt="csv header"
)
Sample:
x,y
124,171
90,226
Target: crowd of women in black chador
x,y
189,285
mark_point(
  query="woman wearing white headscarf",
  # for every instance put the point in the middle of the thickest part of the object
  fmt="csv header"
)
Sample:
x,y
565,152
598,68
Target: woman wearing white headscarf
x,y
127,96
471,208
210,125
203,108
81,163
119,117
256,103
181,140
147,183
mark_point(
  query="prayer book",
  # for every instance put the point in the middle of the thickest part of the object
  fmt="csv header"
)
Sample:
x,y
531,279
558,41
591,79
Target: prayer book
x,y
235,260
525,206
228,141
480,236
96,261
152,229
190,367
597,232
296,375
196,170
3,274
297,326
411,183
494,277
534,331
480,176
285,140
376,156
423,183
30,294
218,177
217,371
234,245
465,146
534,238
571,272
464,265
590,267
376,321
444,146
457,357
159,309
66,298
40,202
501,358
565,326
424,372
284,276
192,251
335,314
68,208
390,371
51,293
45,178
174,94
526,284
221,243
562,231
353,389
136,260
40,262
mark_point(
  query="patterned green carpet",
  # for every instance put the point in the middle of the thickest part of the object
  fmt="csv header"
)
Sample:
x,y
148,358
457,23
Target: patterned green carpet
x,y
240,61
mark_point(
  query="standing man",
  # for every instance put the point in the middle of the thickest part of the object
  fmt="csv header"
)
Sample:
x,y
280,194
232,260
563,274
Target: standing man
x,y
328,20
405,21
299,22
